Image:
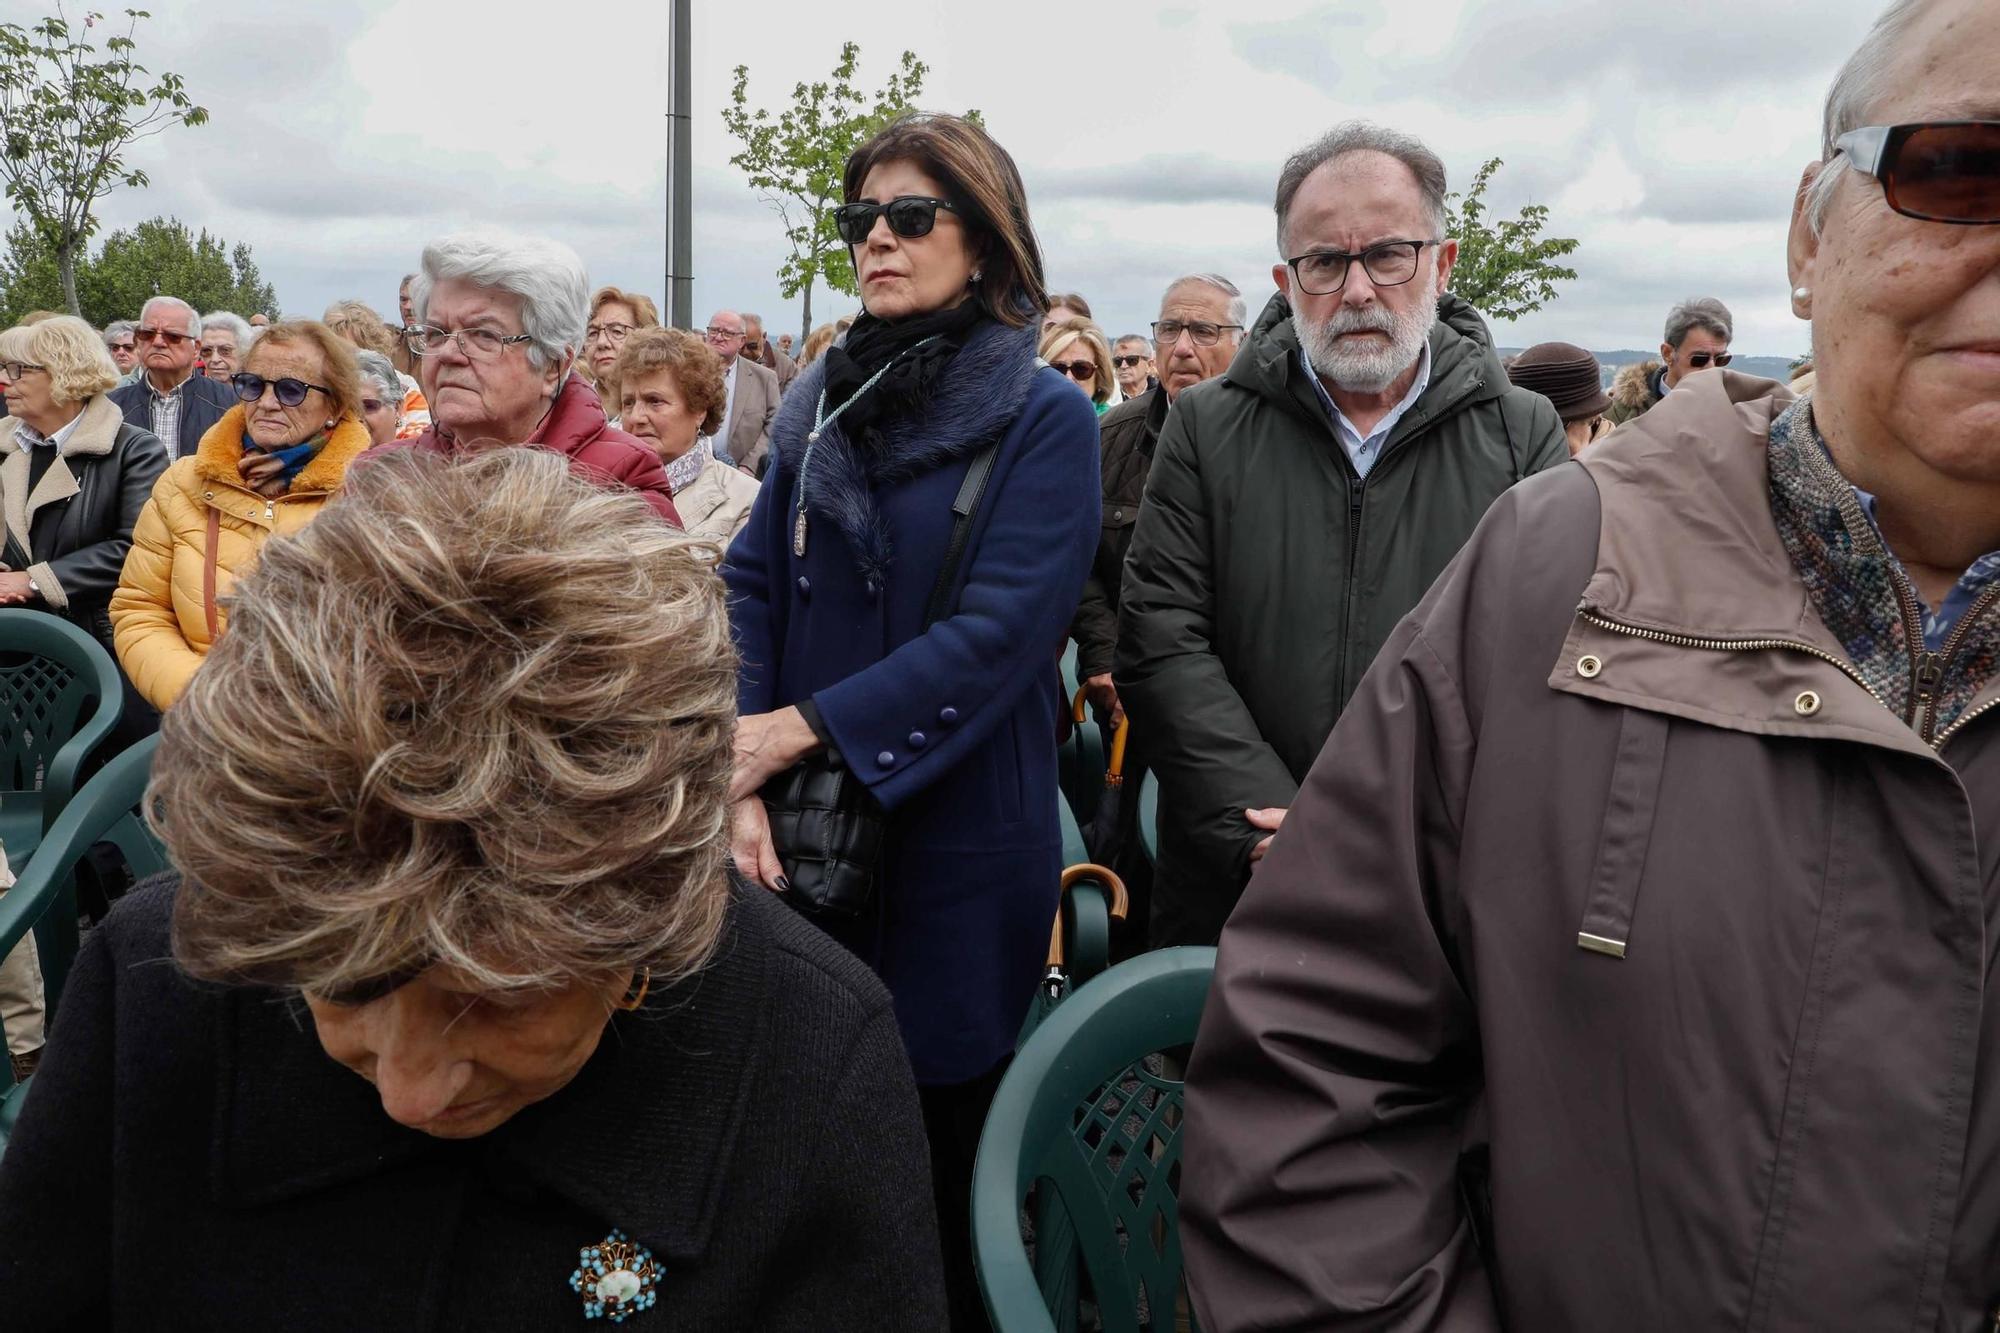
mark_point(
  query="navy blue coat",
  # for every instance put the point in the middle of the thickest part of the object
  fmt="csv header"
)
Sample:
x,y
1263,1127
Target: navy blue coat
x,y
203,403
953,729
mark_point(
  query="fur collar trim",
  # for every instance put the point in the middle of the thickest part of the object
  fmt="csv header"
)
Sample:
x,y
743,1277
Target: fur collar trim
x,y
978,397
1632,386
221,448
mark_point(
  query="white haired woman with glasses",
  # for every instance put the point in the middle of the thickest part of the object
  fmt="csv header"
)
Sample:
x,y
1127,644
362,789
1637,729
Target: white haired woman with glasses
x,y
381,396
265,469
498,323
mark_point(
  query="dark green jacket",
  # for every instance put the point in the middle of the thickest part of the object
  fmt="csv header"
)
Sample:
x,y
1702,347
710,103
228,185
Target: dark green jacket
x,y
1264,576
1127,433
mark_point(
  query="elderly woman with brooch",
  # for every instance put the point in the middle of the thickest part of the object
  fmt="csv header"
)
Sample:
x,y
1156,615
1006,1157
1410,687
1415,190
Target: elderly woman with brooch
x,y
452,1018
898,598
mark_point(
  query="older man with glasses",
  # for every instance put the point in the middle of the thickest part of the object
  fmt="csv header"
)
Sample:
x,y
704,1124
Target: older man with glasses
x,y
1697,338
169,399
750,395
1302,501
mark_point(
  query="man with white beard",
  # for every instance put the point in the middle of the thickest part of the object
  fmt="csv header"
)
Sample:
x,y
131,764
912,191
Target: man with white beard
x,y
1301,503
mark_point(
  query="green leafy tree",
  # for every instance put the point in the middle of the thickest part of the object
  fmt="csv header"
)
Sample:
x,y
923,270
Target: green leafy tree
x,y
794,160
158,257
1505,267
66,119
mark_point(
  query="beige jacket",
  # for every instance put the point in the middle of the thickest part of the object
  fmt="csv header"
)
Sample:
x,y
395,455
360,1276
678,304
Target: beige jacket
x,y
747,434
717,503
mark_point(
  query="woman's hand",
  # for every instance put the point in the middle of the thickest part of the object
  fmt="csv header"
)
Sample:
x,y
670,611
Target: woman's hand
x,y
14,588
750,845
766,745
262,473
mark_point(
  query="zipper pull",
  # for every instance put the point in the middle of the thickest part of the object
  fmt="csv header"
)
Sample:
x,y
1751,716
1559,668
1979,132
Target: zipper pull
x,y
1930,673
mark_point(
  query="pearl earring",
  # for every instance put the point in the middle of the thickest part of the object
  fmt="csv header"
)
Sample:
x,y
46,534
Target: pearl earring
x,y
1801,293
977,275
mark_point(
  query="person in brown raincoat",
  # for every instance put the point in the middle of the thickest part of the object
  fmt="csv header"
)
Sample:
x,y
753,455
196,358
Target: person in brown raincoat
x,y
1622,961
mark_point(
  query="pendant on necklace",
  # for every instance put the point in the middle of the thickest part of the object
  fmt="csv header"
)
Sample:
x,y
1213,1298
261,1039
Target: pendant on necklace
x,y
799,534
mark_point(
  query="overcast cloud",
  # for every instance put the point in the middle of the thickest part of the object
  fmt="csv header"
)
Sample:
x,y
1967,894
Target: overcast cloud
x,y
1667,139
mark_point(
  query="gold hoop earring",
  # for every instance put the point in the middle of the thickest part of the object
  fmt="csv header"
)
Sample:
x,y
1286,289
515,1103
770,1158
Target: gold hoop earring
x,y
633,999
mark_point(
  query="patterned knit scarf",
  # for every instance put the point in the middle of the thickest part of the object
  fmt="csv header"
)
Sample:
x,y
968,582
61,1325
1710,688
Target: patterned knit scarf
x,y
1852,578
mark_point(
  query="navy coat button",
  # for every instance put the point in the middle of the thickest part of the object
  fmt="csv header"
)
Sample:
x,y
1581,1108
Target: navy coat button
x,y
917,739
947,715
874,589
886,759
805,586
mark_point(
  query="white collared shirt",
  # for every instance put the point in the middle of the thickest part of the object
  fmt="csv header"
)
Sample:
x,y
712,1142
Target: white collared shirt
x,y
1364,450
27,437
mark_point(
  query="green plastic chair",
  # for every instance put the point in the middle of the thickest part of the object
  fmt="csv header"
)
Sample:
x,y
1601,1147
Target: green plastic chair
x,y
1089,1119
44,895
1080,941
60,696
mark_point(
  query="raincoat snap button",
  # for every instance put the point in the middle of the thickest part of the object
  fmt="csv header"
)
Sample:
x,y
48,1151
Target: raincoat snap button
x,y
1806,704
1588,666
887,759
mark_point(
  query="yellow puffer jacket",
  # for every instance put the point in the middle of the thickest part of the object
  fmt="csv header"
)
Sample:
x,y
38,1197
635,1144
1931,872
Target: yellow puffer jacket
x,y
159,620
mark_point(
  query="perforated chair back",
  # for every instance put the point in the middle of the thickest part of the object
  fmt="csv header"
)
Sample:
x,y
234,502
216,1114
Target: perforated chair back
x,y
60,697
1089,1118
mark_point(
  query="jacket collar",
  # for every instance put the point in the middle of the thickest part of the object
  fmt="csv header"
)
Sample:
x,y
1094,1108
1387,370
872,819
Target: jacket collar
x,y
95,434
978,397
1689,555
221,449
641,1138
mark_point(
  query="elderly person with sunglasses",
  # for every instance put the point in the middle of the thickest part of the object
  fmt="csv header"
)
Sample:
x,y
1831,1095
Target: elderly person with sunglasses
x,y
1697,338
1627,960
499,323
265,469
1077,350
452,1016
169,399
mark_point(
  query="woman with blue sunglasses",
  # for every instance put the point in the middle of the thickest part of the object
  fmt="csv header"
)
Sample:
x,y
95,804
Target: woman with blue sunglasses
x,y
264,469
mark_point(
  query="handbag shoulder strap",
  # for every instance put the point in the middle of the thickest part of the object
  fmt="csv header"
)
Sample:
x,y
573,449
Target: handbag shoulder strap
x,y
964,509
208,574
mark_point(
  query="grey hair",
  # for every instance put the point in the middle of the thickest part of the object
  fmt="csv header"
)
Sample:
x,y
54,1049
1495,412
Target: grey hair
x,y
1699,312
236,324
375,366
1361,136
193,318
1139,338
749,319
118,328
547,275
1238,312
1855,91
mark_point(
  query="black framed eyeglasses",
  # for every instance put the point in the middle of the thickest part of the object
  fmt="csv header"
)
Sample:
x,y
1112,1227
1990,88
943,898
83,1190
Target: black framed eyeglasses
x,y
290,392
476,344
13,370
910,216
1167,332
1934,171
1387,264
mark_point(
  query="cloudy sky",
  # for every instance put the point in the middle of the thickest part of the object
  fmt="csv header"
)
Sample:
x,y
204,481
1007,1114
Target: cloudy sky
x,y
1667,138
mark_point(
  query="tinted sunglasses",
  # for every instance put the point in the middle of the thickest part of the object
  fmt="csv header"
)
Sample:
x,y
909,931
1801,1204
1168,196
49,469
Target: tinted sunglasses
x,y
167,336
1940,171
910,216
1126,362
1076,370
1702,360
290,392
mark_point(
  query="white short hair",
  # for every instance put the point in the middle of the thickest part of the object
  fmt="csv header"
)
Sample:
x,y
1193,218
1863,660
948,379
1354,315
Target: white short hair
x,y
245,332
547,275
1855,91
376,367
193,320
1238,312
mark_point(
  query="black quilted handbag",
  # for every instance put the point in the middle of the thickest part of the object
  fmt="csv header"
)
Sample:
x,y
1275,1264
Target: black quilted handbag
x,y
826,826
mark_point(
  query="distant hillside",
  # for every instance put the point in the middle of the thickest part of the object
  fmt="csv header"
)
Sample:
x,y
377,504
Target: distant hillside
x,y
1769,367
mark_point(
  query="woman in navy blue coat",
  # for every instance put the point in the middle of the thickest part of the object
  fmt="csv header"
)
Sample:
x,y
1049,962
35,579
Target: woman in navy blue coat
x,y
952,728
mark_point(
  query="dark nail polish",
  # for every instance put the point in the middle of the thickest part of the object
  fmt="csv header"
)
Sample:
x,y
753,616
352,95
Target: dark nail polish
x,y
784,885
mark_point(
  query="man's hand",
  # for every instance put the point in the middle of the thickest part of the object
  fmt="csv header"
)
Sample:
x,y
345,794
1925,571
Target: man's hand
x,y
1267,819
766,745
1103,696
750,845
14,589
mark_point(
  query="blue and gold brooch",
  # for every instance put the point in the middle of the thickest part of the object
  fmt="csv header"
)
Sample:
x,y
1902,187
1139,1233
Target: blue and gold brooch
x,y
616,1277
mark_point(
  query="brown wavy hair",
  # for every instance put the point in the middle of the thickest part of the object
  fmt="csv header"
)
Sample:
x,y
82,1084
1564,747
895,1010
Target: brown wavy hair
x,y
981,181
693,363
417,746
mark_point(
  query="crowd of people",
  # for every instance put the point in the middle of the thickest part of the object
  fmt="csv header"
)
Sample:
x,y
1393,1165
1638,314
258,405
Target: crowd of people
x,y
633,753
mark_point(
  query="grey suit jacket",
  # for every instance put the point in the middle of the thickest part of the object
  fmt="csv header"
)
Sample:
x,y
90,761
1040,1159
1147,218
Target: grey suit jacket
x,y
747,434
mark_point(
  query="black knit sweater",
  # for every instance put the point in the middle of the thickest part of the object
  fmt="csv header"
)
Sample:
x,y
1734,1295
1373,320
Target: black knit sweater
x,y
190,1158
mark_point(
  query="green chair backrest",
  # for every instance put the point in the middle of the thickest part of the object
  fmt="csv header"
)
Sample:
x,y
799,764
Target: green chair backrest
x,y
1089,1118
44,894
59,697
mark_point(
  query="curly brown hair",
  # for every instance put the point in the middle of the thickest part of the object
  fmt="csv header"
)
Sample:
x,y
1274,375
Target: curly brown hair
x,y
343,372
694,364
415,747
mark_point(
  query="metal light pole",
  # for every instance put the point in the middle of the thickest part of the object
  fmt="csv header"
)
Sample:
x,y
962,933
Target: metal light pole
x,y
680,173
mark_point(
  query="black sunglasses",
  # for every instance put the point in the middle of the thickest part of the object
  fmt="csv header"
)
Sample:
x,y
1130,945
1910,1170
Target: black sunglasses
x,y
1126,361
1937,171
290,392
1076,370
1700,360
910,216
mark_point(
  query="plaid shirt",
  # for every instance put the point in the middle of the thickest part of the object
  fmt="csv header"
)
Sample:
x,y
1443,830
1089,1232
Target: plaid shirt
x,y
167,416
